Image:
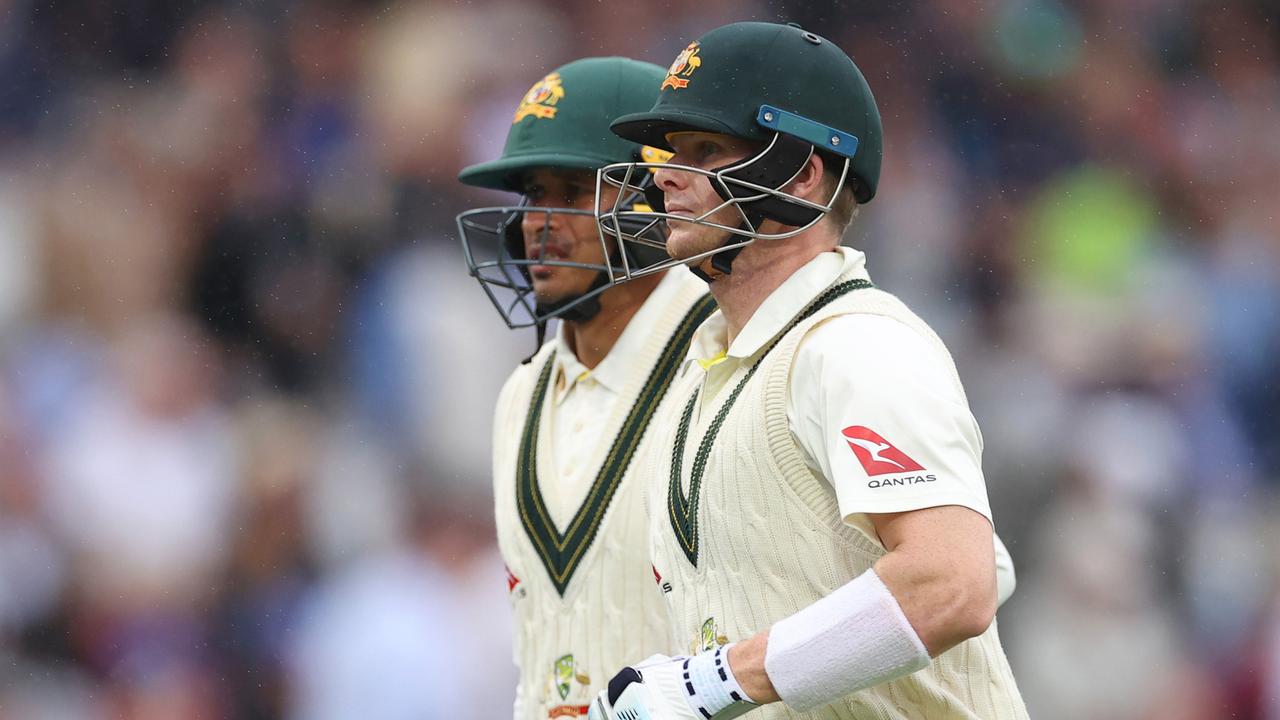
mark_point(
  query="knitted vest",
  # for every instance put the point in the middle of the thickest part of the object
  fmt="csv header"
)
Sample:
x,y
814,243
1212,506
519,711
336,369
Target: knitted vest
x,y
582,596
748,535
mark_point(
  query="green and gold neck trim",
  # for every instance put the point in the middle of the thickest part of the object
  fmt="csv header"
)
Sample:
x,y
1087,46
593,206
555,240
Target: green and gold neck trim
x,y
560,552
682,510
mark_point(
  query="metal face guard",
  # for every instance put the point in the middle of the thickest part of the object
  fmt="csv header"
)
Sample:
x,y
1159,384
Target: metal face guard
x,y
493,245
623,226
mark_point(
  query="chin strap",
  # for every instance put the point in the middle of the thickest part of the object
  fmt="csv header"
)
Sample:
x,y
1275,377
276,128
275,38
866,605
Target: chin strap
x,y
541,331
723,261
717,266
710,269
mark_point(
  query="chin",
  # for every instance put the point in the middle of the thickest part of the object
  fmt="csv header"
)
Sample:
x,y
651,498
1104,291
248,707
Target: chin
x,y
682,243
687,244
558,289
549,292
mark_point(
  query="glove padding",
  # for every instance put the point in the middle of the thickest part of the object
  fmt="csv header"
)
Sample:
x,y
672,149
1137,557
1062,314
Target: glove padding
x,y
656,689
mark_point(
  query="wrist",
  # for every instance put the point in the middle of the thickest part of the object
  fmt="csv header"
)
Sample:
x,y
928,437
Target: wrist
x,y
854,638
746,660
711,687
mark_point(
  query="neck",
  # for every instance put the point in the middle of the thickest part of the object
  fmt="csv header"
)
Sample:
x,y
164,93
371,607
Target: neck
x,y
760,269
592,340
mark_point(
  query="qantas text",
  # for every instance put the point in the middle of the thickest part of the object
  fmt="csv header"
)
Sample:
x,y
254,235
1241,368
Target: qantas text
x,y
904,480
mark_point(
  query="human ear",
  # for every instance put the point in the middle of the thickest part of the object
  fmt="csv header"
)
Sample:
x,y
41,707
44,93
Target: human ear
x,y
808,182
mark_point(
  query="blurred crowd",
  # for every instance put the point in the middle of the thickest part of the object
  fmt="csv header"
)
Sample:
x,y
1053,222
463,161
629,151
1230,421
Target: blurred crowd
x,y
246,384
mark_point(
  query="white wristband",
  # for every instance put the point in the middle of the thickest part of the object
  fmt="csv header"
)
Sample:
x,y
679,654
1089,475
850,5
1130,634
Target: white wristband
x,y
852,639
710,682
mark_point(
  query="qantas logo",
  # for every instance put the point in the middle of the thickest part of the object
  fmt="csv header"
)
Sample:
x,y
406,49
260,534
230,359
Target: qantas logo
x,y
877,455
512,580
666,586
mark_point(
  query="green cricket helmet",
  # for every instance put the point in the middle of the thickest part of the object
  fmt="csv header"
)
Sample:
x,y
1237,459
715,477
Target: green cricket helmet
x,y
789,90
562,122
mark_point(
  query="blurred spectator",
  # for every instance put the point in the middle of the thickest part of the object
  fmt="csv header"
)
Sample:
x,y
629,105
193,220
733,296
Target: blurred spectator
x,y
412,632
148,431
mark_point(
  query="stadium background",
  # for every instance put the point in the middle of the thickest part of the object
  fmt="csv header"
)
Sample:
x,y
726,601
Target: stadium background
x,y
245,383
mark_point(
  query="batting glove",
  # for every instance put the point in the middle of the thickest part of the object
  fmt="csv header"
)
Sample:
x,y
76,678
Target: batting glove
x,y
673,688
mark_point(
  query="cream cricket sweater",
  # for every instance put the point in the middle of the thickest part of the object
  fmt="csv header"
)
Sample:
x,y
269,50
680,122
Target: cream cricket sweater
x,y
582,588
746,534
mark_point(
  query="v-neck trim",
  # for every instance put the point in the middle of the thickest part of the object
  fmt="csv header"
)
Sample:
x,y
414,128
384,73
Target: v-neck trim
x,y
562,550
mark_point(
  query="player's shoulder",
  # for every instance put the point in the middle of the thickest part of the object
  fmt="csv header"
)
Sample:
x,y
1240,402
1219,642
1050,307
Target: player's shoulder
x,y
863,335
865,346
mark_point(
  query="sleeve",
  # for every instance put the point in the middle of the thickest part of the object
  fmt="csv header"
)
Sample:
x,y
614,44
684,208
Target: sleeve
x,y
507,418
501,482
521,708
499,433
1006,578
875,408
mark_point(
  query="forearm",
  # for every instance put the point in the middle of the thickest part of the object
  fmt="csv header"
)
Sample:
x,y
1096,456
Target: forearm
x,y
947,601
854,638
917,602
747,658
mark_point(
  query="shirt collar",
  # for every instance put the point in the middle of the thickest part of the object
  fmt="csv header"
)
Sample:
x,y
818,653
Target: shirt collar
x,y
569,370
778,309
612,371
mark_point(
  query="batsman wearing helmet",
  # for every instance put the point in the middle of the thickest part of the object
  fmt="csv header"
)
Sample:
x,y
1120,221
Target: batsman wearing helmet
x,y
818,505
569,421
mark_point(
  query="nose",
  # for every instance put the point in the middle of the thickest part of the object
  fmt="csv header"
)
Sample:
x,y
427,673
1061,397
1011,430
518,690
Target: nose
x,y
668,179
534,221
